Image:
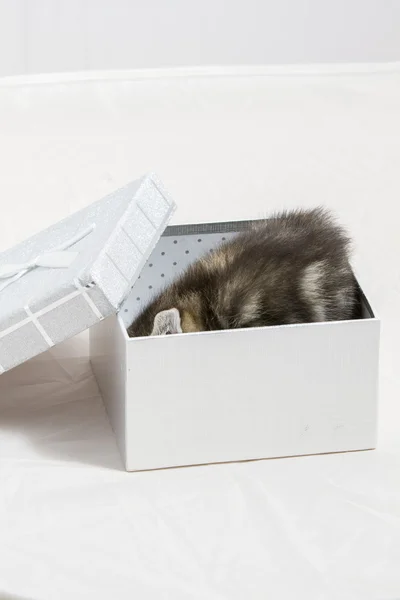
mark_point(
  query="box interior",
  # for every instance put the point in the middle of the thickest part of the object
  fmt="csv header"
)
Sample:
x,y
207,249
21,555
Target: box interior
x,y
179,246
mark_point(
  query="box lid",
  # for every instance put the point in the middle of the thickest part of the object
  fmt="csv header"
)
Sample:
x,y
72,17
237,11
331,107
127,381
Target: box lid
x,y
75,273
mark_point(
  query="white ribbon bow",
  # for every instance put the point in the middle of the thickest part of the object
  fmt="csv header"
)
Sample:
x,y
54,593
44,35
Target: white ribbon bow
x,y
59,258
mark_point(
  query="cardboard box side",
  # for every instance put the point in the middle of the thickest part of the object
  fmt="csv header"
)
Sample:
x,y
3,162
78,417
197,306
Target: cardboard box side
x,y
249,394
376,324
133,239
108,359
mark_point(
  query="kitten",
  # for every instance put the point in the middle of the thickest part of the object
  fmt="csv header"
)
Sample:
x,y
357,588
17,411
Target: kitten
x,y
291,268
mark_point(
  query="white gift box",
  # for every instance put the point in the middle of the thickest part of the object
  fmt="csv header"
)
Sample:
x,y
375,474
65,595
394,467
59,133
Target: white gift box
x,y
77,272
191,398
233,395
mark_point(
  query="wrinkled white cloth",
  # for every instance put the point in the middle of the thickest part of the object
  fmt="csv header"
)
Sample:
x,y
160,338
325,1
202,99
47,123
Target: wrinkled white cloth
x,y
73,524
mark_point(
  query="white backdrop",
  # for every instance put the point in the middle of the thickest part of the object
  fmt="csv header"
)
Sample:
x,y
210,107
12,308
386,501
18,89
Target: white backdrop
x,y
73,525
68,35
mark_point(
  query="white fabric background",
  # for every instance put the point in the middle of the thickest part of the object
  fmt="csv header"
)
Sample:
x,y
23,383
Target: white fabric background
x,y
48,36
228,144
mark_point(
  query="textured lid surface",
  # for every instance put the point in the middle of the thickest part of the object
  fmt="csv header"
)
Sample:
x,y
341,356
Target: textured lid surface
x,y
99,253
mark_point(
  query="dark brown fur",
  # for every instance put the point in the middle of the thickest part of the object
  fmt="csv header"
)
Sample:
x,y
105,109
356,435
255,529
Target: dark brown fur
x,y
292,268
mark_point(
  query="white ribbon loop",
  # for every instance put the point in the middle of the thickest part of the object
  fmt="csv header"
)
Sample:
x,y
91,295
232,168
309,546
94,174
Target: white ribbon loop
x,y
59,258
53,260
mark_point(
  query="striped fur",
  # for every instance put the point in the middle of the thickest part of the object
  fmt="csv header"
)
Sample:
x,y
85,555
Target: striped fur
x,y
292,268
